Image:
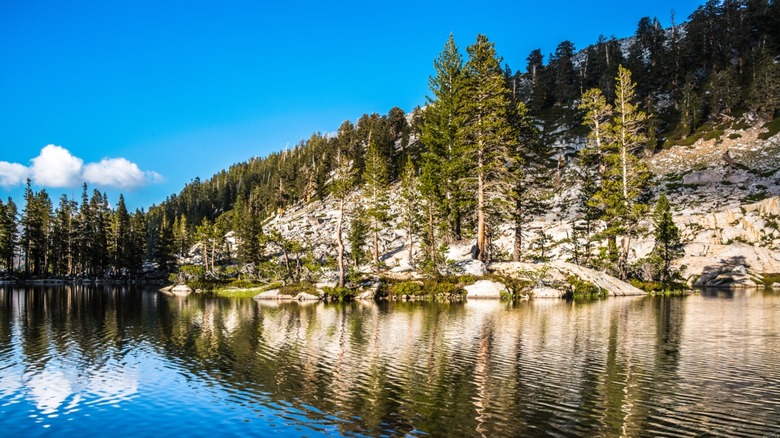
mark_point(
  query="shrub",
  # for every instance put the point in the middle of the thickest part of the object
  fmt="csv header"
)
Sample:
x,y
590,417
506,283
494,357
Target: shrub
x,y
581,288
339,294
296,288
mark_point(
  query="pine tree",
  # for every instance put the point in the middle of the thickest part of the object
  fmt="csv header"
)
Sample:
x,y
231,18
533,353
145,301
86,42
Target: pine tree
x,y
668,245
410,206
488,134
375,194
342,183
690,108
138,241
765,89
62,235
248,231
624,179
358,235
120,241
36,231
443,120
562,62
8,234
164,251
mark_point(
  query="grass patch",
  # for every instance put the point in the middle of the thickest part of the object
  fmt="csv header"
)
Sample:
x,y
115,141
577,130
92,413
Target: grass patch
x,y
243,289
741,125
659,288
769,279
442,288
772,126
755,197
296,288
735,136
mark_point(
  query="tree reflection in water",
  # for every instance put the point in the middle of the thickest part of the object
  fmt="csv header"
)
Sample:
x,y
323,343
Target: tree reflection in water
x,y
610,367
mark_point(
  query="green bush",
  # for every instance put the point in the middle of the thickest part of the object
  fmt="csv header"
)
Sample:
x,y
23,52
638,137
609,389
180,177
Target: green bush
x,y
773,128
581,288
339,294
405,289
443,289
244,284
296,288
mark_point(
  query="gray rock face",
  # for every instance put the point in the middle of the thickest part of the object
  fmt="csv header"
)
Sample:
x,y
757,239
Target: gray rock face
x,y
471,267
485,289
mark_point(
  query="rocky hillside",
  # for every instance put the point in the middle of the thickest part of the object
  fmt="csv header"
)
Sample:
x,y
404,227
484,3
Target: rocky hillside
x,y
725,193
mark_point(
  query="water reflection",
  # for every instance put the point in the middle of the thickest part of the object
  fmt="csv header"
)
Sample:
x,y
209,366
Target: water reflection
x,y
647,366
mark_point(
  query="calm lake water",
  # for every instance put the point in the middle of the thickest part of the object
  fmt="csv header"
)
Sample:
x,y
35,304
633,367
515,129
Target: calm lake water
x,y
76,361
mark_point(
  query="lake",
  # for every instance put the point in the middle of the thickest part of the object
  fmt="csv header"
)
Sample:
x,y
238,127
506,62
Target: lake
x,y
111,360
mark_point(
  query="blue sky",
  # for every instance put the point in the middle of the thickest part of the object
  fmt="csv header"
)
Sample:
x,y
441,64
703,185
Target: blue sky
x,y
141,97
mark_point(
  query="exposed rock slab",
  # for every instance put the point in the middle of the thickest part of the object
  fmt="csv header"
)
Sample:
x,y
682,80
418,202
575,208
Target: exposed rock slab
x,y
272,294
485,289
557,272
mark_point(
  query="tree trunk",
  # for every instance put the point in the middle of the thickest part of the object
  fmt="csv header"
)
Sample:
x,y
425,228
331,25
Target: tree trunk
x,y
518,245
376,246
431,234
481,227
411,245
340,243
206,256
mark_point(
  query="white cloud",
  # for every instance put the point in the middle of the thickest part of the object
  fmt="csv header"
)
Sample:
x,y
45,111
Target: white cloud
x,y
118,172
12,174
56,167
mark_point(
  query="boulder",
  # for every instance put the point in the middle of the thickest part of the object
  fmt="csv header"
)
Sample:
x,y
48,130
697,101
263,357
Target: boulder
x,y
775,285
367,294
181,290
707,176
546,292
485,289
272,294
471,267
303,296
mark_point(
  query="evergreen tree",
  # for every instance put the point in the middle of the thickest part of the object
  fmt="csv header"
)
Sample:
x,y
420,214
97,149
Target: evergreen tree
x,y
765,90
441,129
8,234
342,183
690,108
566,83
431,191
625,179
121,238
358,235
488,133
375,194
668,245
410,206
164,250
62,238
248,232
138,241
36,222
